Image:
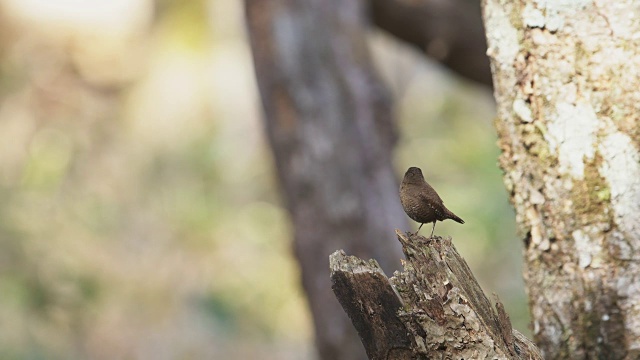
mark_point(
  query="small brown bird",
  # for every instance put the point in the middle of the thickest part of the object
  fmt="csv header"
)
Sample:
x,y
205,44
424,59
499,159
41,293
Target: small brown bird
x,y
421,202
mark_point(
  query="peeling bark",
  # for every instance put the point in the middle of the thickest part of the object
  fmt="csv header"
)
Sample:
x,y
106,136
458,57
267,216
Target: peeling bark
x,y
566,83
434,309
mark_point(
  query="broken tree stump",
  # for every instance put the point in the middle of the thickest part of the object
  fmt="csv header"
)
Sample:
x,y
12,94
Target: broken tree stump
x,y
433,309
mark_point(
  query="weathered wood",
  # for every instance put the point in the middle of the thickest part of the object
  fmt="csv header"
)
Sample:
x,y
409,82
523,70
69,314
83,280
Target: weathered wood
x,y
363,286
434,309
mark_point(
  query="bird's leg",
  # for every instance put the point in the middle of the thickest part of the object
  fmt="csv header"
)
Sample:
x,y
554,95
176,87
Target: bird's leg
x,y
434,228
419,228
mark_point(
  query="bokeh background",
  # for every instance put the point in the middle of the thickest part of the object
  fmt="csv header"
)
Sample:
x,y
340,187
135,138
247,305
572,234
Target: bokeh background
x,y
139,212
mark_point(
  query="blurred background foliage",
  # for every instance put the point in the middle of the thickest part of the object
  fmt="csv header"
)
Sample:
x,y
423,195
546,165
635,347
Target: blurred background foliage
x,y
139,215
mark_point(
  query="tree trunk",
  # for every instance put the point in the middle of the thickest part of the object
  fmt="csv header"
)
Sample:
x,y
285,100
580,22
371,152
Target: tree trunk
x,y
566,83
434,309
329,123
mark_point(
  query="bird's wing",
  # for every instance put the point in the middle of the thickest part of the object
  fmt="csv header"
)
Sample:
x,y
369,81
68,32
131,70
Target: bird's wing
x,y
435,204
433,192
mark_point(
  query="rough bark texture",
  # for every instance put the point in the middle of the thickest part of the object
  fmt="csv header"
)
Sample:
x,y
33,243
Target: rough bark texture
x,y
434,309
372,304
329,123
566,83
448,31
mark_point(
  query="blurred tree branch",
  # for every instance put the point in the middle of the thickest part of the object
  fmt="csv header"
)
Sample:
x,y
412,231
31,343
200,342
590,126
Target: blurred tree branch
x,y
448,31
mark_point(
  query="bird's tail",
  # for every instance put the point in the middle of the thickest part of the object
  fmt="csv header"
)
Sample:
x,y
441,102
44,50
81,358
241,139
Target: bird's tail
x,y
454,217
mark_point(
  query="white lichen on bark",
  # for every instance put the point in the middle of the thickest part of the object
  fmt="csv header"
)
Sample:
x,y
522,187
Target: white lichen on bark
x,y
589,248
504,39
572,135
621,169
